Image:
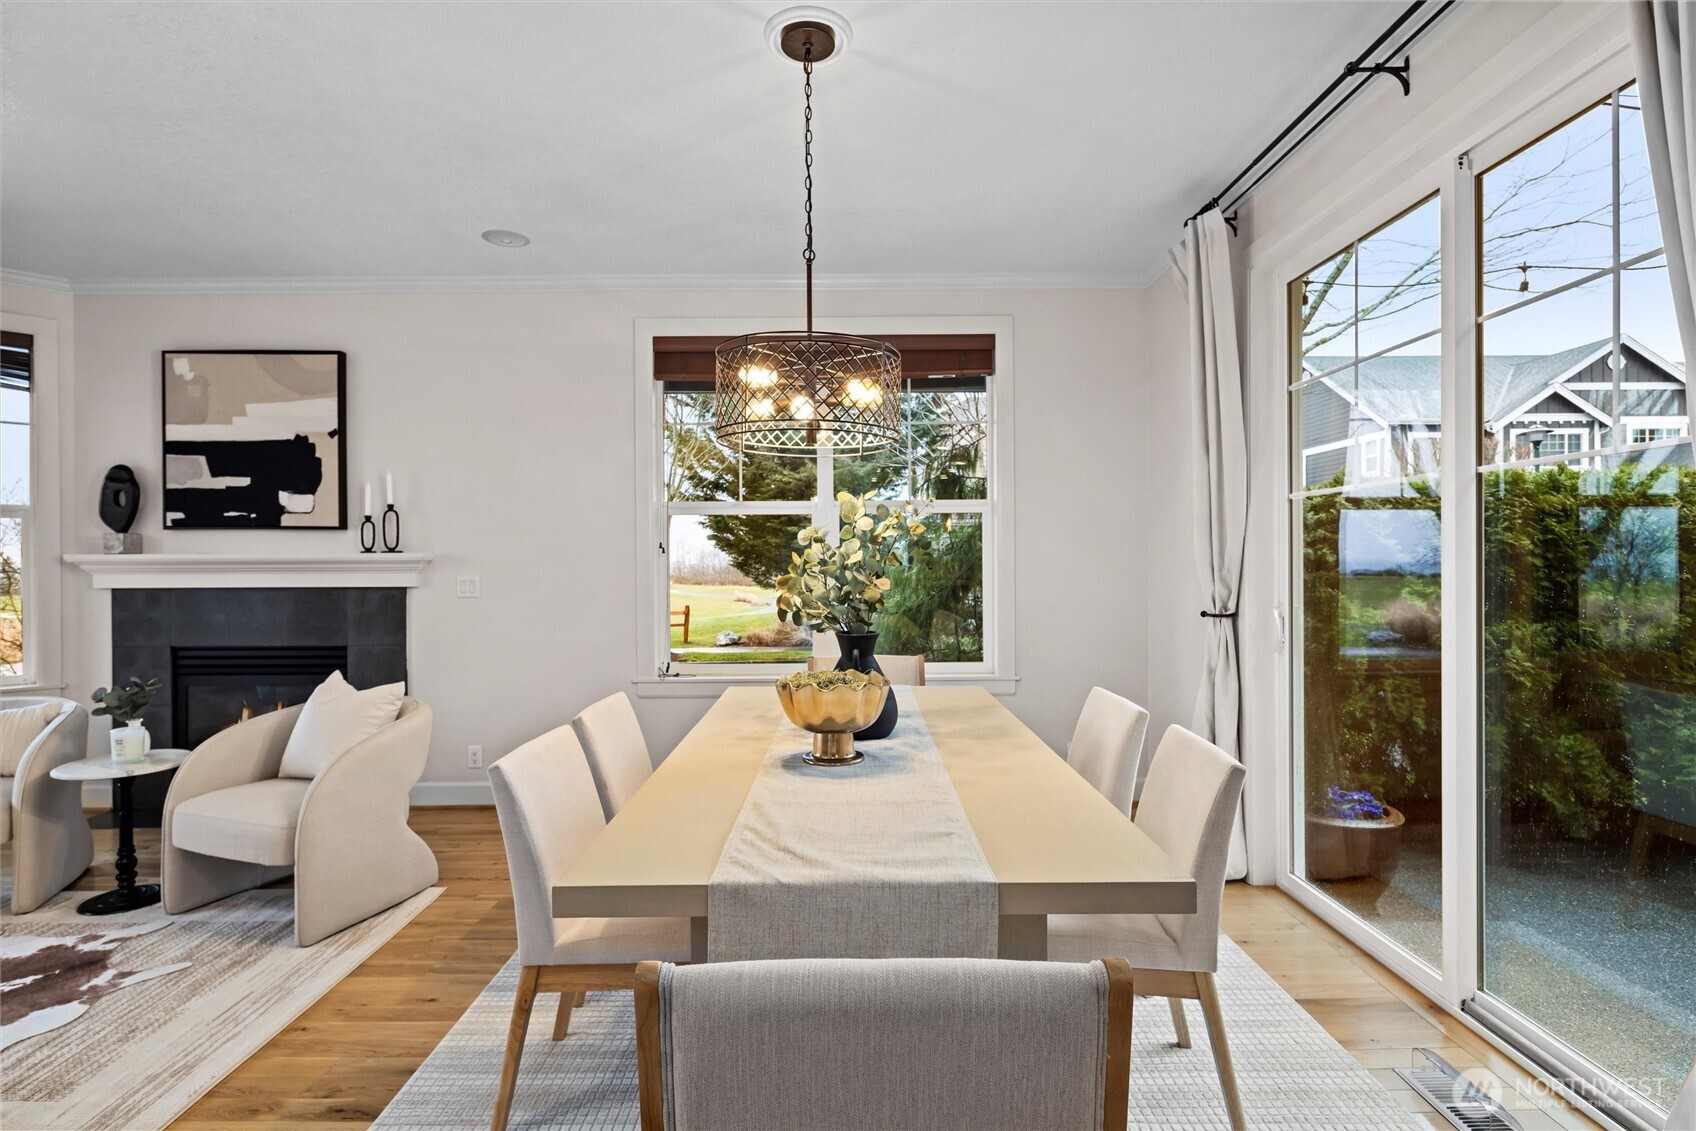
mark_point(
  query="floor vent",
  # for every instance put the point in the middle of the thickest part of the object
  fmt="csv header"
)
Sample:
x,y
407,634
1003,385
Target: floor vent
x,y
1456,1098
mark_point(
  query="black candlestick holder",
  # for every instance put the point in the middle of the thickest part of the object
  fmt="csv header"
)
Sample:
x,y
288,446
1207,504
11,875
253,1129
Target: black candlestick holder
x,y
367,536
391,538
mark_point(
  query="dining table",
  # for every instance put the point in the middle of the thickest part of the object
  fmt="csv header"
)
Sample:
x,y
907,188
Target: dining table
x,y
1053,843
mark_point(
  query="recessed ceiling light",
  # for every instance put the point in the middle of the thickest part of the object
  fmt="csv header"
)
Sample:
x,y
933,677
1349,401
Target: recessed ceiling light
x,y
500,237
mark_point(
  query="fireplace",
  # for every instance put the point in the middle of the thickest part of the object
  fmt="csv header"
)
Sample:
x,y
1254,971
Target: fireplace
x,y
219,651
213,689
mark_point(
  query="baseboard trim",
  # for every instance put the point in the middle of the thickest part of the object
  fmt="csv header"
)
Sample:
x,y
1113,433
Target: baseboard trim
x,y
429,793
98,794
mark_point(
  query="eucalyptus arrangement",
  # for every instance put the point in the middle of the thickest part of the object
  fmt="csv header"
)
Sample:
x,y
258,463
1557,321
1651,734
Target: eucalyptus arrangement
x,y
125,704
840,588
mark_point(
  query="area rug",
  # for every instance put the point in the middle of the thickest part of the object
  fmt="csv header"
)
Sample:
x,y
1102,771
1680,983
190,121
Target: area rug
x,y
1290,1072
201,993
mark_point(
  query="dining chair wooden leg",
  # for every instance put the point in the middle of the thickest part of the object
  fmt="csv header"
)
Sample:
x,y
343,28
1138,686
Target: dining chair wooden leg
x,y
650,1085
582,997
562,1019
521,1004
1221,1050
1180,1023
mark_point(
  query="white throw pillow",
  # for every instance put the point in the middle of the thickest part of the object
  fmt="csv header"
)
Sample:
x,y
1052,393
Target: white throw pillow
x,y
19,727
335,718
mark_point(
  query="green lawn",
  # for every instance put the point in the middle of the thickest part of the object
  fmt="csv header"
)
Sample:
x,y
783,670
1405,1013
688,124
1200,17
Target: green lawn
x,y
714,609
1367,600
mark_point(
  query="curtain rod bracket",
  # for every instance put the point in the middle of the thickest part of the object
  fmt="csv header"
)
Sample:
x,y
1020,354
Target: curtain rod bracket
x,y
1402,74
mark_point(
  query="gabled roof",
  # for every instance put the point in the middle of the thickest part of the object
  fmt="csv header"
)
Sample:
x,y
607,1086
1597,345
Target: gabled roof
x,y
1404,389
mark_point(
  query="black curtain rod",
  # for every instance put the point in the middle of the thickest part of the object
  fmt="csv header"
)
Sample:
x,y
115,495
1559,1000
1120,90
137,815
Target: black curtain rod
x,y
1359,68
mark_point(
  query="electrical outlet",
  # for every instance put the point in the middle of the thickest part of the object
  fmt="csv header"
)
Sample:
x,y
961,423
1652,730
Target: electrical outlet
x,y
468,587
474,757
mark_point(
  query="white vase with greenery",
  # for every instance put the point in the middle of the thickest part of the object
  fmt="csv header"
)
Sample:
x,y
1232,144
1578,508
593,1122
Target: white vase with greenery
x,y
130,740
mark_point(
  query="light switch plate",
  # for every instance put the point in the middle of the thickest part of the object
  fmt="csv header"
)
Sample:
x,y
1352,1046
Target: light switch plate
x,y
468,587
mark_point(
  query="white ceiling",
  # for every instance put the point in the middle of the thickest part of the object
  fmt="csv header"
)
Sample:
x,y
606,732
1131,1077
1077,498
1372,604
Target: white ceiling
x,y
961,144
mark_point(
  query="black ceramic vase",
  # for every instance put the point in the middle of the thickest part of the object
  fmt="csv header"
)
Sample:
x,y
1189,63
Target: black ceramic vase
x,y
858,655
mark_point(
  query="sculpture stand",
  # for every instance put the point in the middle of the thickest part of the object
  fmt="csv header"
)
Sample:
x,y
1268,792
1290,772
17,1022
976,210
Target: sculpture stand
x,y
111,543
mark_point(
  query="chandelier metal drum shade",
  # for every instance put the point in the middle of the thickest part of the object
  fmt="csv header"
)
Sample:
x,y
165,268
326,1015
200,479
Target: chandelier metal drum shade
x,y
791,392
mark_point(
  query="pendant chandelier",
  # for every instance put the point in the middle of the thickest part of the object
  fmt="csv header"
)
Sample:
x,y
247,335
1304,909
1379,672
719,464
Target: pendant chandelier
x,y
792,392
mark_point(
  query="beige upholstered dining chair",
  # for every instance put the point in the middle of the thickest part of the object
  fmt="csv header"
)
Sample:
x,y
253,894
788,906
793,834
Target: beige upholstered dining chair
x,y
840,1044
1106,747
232,823
901,671
549,812
611,735
1189,804
41,816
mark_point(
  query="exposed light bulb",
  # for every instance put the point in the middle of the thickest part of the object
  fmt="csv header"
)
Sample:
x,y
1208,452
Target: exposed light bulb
x,y
800,407
762,409
756,376
863,394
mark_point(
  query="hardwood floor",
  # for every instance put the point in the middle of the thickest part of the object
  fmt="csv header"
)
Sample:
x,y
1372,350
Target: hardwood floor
x,y
1374,1013
341,1061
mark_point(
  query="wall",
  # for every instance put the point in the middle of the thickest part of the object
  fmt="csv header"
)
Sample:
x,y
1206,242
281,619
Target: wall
x,y
1176,592
507,419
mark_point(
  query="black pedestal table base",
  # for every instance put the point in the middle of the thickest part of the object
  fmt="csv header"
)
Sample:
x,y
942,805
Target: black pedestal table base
x,y
128,895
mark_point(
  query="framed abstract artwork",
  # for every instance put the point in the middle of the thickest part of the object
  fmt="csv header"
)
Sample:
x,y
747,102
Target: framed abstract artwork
x,y
255,438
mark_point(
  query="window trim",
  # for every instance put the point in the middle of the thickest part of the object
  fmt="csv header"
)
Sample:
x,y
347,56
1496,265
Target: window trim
x,y
997,673
1372,455
43,654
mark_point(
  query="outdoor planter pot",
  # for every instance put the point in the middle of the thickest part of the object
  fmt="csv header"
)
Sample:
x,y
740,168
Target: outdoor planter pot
x,y
1341,849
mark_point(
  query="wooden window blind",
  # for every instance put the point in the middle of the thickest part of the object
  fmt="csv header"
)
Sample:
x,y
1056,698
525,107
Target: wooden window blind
x,y
17,352
689,360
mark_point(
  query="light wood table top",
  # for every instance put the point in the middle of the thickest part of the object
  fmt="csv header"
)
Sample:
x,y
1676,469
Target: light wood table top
x,y
1054,844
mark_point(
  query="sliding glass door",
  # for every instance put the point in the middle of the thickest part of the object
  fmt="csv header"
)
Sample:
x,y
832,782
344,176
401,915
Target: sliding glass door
x,y
1533,863
1366,412
1588,634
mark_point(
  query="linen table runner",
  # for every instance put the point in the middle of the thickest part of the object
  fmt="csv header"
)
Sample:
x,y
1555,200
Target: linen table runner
x,y
875,860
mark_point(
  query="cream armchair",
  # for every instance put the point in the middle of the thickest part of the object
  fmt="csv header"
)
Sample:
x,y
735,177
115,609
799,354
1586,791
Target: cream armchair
x,y
43,817
232,824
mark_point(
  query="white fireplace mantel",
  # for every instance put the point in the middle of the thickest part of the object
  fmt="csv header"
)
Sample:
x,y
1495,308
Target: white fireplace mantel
x,y
252,571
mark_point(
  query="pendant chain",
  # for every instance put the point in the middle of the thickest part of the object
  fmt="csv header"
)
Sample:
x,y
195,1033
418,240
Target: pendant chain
x,y
807,142
807,146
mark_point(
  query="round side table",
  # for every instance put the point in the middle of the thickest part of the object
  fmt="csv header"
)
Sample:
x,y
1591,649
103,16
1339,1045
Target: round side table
x,y
128,895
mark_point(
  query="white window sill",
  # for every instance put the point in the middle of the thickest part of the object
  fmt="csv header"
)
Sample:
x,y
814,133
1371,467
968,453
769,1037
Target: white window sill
x,y
712,686
29,688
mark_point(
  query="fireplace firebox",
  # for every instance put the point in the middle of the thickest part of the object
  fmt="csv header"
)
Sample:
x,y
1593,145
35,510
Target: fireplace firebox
x,y
216,688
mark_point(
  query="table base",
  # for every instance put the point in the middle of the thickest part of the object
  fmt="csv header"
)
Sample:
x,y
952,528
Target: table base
x,y
123,899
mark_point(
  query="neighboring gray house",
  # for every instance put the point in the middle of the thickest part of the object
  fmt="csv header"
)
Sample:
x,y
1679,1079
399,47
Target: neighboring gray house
x,y
1382,419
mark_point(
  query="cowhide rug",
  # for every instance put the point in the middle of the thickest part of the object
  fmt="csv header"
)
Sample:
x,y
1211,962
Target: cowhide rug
x,y
126,1021
49,982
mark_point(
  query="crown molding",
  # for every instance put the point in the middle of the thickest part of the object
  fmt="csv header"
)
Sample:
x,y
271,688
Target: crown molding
x,y
499,284
38,282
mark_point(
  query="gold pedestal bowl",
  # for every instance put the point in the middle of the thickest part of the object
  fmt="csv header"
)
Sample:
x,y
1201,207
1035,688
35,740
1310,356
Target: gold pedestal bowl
x,y
832,706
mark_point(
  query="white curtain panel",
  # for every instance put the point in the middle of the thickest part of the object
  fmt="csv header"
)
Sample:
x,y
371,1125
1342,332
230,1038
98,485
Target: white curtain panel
x,y
1220,485
1664,35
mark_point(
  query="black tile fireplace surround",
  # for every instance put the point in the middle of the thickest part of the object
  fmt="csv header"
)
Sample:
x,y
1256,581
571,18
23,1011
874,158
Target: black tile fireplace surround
x,y
159,632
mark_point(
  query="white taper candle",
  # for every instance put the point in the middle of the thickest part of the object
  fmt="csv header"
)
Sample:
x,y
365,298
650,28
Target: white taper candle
x,y
389,486
367,498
